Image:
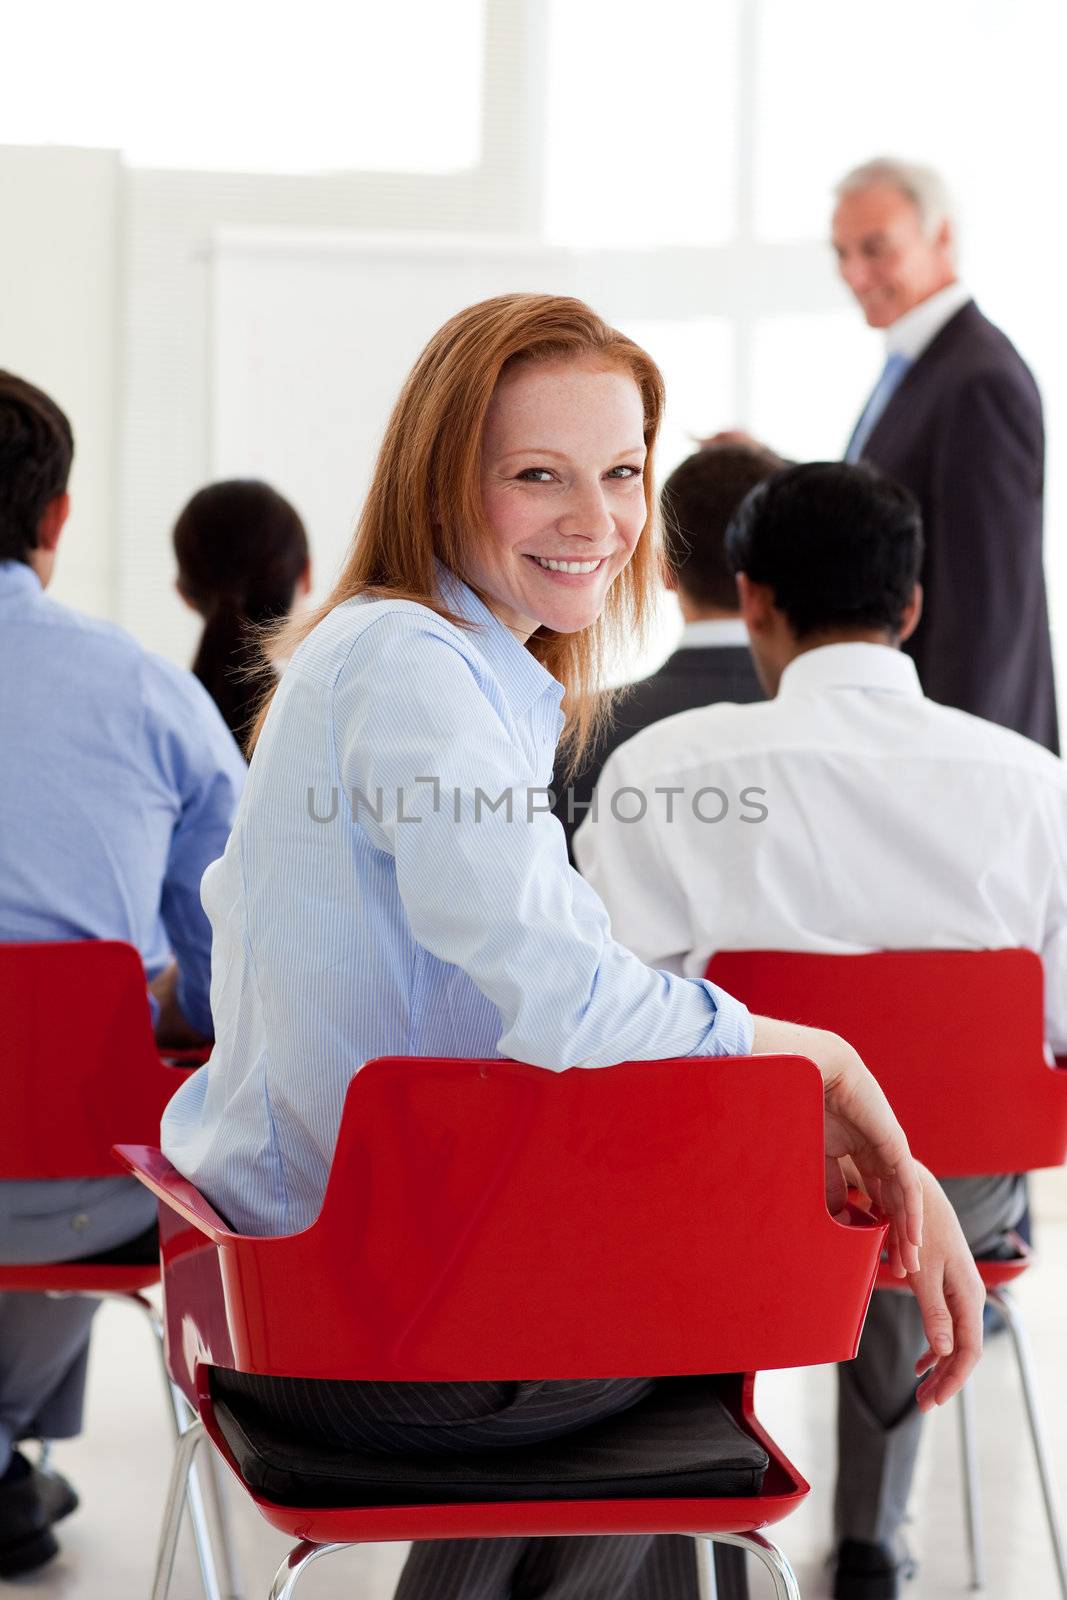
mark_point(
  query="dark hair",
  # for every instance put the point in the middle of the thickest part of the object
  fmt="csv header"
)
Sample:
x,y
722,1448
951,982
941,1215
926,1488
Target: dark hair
x,y
839,545
698,500
241,550
36,450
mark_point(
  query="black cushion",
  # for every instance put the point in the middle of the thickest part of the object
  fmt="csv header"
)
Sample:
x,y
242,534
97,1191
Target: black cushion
x,y
680,1441
143,1251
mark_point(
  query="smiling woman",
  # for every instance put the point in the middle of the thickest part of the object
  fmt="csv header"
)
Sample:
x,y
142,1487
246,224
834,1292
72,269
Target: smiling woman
x,y
562,461
506,534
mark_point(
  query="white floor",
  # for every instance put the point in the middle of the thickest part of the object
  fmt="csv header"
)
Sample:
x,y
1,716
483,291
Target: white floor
x,y
120,1467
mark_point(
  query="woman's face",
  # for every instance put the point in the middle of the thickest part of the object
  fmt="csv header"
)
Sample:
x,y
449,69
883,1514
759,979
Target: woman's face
x,y
562,461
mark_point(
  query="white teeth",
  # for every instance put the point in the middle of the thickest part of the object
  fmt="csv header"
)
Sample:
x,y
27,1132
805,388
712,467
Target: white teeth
x,y
567,566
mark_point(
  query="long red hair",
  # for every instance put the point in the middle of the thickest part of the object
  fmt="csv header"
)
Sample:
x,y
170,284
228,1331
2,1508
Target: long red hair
x,y
424,502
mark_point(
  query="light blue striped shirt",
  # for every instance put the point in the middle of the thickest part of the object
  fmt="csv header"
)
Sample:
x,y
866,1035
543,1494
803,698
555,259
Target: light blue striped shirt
x,y
417,918
120,784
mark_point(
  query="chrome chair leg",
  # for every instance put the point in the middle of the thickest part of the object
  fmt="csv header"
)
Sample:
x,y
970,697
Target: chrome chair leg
x,y
214,1483
972,1500
295,1565
1006,1306
172,1515
782,1574
707,1585
217,1585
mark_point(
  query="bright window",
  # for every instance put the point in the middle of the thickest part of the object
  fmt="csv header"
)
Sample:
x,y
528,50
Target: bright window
x,y
249,85
640,122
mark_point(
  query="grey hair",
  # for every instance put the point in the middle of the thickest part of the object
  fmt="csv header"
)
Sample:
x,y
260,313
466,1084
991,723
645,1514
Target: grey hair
x,y
923,186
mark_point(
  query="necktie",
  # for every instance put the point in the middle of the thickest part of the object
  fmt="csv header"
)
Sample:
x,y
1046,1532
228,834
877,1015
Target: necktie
x,y
895,368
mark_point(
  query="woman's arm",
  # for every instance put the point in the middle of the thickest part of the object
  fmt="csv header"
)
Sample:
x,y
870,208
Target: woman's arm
x,y
481,865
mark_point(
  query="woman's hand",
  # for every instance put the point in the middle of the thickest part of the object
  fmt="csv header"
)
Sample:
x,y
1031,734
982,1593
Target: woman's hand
x,y
951,1296
859,1124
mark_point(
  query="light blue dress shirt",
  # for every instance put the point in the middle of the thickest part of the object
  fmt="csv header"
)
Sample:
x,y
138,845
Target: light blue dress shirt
x,y
375,898
120,783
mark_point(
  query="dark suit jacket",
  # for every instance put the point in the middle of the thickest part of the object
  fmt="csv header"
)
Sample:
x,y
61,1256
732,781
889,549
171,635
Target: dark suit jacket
x,y
963,431
689,678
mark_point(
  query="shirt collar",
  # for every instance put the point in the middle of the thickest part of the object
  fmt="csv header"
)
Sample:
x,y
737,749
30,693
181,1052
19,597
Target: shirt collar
x,y
713,633
522,677
17,581
851,666
910,334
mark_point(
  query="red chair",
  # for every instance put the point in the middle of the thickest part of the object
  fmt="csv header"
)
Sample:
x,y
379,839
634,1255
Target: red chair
x,y
490,1220
972,1099
80,1069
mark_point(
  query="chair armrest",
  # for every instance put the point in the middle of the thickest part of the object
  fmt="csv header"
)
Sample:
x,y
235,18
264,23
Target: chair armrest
x,y
151,1167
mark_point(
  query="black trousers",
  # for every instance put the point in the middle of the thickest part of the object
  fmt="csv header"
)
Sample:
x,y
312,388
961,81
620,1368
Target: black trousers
x,y
425,1418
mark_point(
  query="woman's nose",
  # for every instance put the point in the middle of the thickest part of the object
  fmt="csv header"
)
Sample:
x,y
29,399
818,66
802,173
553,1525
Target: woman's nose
x,y
587,514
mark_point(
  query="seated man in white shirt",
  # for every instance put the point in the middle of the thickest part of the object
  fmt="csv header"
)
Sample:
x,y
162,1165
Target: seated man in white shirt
x,y
846,813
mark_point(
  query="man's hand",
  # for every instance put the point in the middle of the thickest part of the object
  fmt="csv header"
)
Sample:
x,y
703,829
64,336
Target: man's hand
x,y
172,1030
859,1124
951,1296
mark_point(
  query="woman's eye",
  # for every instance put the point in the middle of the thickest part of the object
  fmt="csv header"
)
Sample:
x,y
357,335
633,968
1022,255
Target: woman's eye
x,y
535,475
625,472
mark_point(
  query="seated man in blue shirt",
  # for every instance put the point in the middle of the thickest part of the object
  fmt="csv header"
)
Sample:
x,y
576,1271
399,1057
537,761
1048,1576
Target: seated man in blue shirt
x,y
122,783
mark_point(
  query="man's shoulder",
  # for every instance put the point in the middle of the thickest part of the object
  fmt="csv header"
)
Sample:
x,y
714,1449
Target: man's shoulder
x,y
690,679
971,348
94,635
705,733
1008,756
94,647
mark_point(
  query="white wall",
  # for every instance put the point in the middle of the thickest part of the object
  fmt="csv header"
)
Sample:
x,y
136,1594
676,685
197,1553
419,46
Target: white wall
x,y
60,328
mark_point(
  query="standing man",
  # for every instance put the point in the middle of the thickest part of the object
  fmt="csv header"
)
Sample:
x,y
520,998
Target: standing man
x,y
956,417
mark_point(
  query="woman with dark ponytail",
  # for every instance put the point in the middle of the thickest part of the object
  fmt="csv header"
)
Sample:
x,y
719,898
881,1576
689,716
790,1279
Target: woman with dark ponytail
x,y
242,560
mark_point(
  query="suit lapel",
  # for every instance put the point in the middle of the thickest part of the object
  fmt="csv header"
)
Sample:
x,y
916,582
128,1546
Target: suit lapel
x,y
940,349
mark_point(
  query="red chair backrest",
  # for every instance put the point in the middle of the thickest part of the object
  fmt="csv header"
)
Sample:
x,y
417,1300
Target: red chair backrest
x,y
491,1220
955,1037
79,1068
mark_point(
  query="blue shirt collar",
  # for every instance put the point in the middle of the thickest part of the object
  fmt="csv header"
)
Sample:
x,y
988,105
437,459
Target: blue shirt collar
x,y
521,676
17,580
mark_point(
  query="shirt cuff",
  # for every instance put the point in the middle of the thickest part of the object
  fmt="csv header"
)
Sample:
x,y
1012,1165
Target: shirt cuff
x,y
733,1030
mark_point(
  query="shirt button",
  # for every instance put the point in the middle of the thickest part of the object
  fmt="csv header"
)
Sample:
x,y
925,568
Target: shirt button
x,y
80,1221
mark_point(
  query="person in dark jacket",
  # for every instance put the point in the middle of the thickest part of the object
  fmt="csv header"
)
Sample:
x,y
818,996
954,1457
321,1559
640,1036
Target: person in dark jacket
x,y
956,418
